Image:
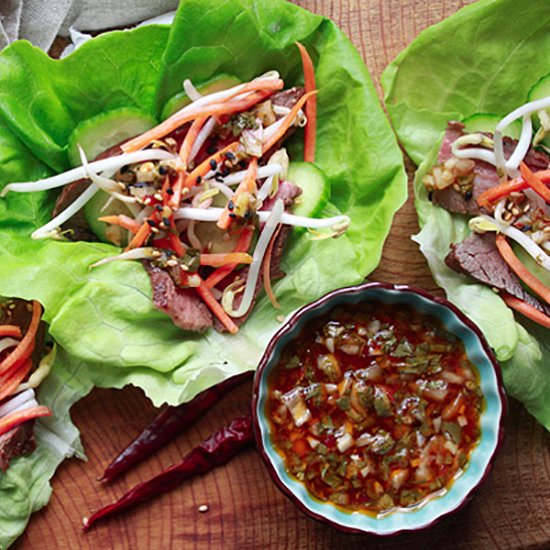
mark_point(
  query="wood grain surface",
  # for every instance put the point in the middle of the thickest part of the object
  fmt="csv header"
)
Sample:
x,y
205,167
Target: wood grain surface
x,y
245,510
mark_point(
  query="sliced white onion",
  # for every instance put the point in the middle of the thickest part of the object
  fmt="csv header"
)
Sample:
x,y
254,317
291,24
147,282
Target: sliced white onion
x,y
202,136
15,402
192,93
111,163
272,221
532,248
7,342
50,229
213,214
134,254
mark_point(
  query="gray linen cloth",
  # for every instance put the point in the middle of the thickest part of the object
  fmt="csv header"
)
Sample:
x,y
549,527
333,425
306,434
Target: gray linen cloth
x,y
40,21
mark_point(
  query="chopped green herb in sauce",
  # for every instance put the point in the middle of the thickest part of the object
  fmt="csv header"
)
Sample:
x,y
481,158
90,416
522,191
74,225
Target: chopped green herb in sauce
x,y
375,409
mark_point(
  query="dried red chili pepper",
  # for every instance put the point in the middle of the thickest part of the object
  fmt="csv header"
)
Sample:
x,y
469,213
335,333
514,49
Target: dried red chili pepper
x,y
218,449
167,424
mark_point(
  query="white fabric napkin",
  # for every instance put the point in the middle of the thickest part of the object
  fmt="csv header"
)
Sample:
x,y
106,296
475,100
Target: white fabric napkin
x,y
40,21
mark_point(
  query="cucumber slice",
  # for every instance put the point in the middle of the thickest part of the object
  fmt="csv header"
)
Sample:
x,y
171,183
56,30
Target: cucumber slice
x,y
486,122
102,131
540,90
315,188
216,84
93,210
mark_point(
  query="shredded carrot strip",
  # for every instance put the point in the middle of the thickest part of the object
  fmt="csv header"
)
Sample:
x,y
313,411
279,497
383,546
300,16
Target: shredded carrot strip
x,y
267,270
204,167
534,182
221,273
11,380
10,330
141,236
264,89
175,241
206,294
12,420
190,138
535,284
217,260
123,221
526,309
26,346
289,119
174,200
247,185
503,189
213,305
310,132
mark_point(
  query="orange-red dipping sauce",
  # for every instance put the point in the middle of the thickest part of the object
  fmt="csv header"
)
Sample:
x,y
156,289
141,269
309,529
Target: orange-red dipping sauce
x,y
375,407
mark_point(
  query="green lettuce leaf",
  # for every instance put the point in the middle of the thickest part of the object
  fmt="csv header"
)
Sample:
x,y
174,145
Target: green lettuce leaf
x,y
489,65
25,486
105,316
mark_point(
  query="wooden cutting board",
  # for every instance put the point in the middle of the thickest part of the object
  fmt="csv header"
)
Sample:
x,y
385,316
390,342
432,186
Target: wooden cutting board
x,y
245,510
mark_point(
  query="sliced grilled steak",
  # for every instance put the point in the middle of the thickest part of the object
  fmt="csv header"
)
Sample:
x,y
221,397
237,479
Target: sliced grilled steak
x,y
183,305
485,175
478,257
288,98
18,441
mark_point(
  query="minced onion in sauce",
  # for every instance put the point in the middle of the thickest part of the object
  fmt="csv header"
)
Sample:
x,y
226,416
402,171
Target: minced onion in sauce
x,y
375,408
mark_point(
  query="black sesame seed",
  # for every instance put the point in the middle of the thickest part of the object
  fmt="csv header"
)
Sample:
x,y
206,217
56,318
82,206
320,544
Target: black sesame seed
x,y
199,179
162,170
158,208
166,221
151,223
230,155
468,195
225,171
231,205
170,191
213,164
232,216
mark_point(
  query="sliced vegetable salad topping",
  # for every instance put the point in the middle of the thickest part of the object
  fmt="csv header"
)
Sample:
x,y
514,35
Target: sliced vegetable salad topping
x,y
517,206
204,193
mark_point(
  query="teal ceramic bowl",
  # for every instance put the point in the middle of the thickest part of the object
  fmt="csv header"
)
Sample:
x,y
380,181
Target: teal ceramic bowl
x,y
481,458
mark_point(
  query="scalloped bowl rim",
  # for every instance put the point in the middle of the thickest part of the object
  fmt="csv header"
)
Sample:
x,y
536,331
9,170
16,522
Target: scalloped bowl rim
x,y
491,420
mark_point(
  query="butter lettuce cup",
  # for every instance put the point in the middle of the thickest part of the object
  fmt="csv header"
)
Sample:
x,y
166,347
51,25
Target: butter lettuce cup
x,y
378,408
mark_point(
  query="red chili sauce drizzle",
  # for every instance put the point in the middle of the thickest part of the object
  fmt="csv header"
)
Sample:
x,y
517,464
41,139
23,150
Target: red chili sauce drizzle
x,y
375,407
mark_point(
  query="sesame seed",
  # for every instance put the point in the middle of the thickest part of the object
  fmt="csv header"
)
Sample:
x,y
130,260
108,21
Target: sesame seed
x,y
203,508
213,164
170,191
231,205
230,155
158,208
199,179
151,223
